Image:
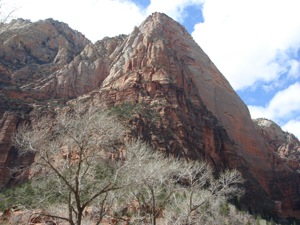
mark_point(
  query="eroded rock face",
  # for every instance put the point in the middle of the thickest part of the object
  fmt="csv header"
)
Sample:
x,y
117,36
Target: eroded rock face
x,y
7,128
176,100
285,144
42,65
83,74
30,51
51,60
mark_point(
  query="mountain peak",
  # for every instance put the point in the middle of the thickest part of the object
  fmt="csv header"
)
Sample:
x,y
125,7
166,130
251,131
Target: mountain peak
x,y
159,23
158,17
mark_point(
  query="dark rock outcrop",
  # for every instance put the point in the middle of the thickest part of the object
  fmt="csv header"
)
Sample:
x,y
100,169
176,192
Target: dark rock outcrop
x,y
7,128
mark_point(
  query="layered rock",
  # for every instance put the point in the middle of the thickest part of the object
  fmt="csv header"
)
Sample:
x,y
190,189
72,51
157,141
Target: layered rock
x,y
200,115
42,65
47,59
7,128
30,51
83,74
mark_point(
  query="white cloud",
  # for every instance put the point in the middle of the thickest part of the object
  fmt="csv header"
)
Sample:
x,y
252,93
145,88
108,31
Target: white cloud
x,y
283,108
286,103
99,18
248,40
293,126
294,68
258,112
174,8
94,18
283,105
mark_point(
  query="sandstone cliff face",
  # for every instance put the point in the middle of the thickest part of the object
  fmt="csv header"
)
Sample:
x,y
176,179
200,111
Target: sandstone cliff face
x,y
51,60
44,64
200,115
7,128
30,51
83,74
168,92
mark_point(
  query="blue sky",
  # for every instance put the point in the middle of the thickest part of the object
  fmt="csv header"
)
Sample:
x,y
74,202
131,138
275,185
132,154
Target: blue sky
x,y
254,43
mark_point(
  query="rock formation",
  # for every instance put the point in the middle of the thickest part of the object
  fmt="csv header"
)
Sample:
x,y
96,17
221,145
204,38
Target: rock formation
x,y
29,52
175,97
201,116
285,144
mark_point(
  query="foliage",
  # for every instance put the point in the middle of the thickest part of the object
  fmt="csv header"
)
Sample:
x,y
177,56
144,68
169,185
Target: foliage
x,y
128,110
20,195
224,209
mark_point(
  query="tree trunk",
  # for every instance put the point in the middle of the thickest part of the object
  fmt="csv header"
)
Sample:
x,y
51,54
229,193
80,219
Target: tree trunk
x,y
153,214
79,216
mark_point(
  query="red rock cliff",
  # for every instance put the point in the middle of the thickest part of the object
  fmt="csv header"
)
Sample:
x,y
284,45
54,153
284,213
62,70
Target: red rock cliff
x,y
43,65
200,115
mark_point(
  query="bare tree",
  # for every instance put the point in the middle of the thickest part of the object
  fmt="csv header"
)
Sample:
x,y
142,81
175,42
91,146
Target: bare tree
x,y
6,11
152,179
70,155
201,192
186,188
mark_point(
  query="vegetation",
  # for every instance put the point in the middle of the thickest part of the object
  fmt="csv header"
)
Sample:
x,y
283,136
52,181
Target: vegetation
x,y
83,172
127,111
68,156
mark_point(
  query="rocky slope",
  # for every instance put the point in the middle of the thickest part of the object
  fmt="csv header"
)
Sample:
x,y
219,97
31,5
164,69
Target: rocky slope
x,y
43,65
285,144
168,92
31,51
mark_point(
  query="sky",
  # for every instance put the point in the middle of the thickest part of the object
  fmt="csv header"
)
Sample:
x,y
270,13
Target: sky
x,y
254,43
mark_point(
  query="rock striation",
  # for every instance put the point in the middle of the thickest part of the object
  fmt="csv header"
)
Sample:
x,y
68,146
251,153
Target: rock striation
x,y
201,116
174,96
7,128
30,51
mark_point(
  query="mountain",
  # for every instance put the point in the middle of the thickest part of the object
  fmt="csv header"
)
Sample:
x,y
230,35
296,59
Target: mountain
x,y
168,90
29,53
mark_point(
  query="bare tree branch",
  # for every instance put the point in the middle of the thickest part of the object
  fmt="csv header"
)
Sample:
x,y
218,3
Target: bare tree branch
x,y
68,150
